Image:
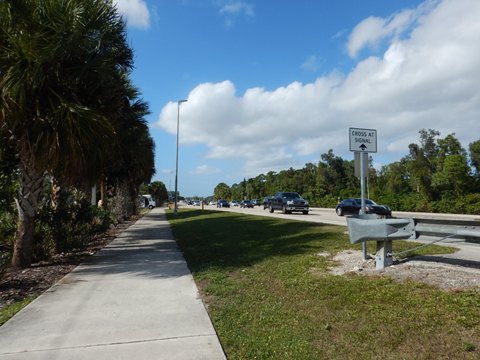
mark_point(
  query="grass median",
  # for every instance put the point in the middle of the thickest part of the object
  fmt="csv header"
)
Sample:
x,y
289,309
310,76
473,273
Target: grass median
x,y
270,295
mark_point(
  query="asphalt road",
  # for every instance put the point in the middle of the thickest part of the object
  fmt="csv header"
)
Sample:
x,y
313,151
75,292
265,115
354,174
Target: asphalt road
x,y
320,215
328,216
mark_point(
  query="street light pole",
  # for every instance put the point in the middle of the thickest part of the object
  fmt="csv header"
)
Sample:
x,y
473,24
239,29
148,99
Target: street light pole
x,y
176,163
170,187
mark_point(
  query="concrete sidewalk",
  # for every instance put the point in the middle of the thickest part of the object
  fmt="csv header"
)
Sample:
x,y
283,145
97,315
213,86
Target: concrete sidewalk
x,y
135,299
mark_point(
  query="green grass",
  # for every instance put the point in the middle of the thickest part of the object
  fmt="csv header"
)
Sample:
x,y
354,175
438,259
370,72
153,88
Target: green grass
x,y
270,295
8,311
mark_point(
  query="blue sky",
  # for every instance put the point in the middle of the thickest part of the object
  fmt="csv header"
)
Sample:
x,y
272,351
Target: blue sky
x,y
273,84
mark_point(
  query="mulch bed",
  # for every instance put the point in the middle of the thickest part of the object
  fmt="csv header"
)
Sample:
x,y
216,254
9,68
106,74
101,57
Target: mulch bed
x,y
18,284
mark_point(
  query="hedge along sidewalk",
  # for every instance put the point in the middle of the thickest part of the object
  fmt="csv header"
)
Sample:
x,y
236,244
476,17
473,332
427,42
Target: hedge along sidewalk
x,y
135,299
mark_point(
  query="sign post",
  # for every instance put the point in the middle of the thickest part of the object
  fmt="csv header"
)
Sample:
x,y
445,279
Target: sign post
x,y
363,141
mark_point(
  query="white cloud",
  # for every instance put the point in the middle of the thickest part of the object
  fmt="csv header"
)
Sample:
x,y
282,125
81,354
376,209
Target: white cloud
x,y
238,7
233,9
204,170
135,12
311,63
373,30
428,79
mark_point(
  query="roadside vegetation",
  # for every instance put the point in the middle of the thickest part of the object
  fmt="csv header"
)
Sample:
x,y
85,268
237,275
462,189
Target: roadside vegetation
x,y
267,288
68,114
70,120
437,175
8,311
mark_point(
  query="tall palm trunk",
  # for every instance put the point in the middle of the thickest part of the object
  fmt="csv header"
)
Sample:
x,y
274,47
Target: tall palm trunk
x,y
103,192
56,193
27,205
133,192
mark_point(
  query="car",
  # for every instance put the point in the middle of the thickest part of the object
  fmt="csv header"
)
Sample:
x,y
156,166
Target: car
x,y
196,203
288,202
256,202
223,204
233,203
246,204
351,206
266,202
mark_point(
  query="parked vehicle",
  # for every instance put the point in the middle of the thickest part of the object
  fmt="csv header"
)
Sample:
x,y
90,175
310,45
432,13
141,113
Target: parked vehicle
x,y
148,202
288,202
234,203
223,204
352,206
246,204
196,203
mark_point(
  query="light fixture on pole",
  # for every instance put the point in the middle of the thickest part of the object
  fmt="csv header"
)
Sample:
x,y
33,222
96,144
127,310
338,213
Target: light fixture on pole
x,y
176,163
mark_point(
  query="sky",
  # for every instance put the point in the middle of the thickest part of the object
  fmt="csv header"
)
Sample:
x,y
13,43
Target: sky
x,y
274,84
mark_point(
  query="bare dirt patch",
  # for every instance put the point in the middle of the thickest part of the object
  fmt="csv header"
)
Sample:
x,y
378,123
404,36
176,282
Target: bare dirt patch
x,y
431,270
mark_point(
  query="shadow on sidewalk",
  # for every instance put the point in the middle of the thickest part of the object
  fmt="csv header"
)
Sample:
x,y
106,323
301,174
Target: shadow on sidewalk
x,y
146,248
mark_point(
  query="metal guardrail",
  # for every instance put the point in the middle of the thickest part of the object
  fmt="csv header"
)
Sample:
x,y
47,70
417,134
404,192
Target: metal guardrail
x,y
368,227
468,230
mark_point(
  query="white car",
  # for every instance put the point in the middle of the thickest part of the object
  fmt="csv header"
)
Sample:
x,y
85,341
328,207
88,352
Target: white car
x,y
234,203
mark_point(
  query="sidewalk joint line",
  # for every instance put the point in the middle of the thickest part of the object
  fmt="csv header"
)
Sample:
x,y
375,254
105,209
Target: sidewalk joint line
x,y
110,344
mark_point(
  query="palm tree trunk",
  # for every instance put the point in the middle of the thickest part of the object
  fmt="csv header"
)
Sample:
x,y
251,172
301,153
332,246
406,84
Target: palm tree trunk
x,y
27,205
133,192
103,193
56,191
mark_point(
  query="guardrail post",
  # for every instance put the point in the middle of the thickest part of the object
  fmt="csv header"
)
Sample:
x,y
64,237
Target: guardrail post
x,y
363,228
383,257
368,227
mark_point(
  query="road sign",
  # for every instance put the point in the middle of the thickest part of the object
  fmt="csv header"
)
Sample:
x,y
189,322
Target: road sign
x,y
363,140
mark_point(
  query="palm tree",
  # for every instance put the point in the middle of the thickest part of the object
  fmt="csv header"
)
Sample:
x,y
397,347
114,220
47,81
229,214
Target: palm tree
x,y
58,60
132,154
159,191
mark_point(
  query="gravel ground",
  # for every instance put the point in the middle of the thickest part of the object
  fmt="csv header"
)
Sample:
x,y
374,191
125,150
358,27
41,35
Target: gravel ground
x,y
441,271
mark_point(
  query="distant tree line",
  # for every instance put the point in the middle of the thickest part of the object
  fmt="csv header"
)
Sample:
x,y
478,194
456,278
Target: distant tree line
x,y
70,119
437,175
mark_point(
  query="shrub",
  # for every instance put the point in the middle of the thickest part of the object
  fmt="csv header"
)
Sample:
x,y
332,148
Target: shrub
x,y
471,204
5,259
448,203
73,224
328,201
7,232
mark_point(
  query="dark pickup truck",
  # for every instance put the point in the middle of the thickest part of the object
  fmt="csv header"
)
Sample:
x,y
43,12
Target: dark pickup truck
x,y
288,202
